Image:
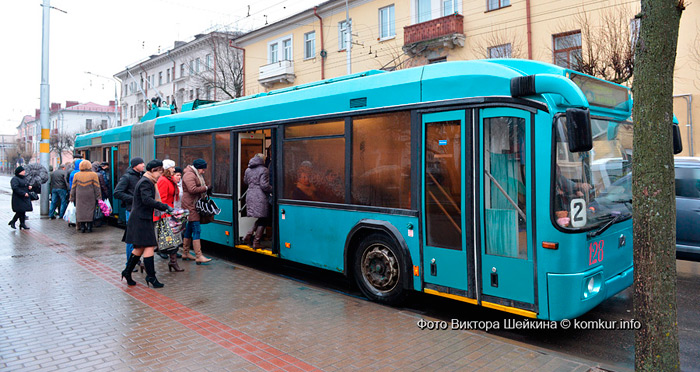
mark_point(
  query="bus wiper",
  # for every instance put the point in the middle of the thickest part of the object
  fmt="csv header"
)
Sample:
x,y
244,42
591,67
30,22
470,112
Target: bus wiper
x,y
604,227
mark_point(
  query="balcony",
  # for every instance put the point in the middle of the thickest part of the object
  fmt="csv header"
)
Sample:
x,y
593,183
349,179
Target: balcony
x,y
441,32
278,72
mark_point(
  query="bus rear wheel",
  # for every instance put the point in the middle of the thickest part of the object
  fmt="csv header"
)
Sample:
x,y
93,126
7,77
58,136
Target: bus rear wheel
x,y
378,270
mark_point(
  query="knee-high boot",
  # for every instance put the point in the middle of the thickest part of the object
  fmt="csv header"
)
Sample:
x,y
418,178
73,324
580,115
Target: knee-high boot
x,y
197,245
151,273
22,224
186,245
172,265
258,235
130,265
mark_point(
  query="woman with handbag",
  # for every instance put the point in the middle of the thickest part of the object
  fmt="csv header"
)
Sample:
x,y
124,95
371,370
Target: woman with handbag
x,y
140,230
85,192
194,188
169,193
21,203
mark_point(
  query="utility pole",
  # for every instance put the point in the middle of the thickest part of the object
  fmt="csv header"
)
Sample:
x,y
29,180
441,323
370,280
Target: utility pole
x,y
44,105
348,39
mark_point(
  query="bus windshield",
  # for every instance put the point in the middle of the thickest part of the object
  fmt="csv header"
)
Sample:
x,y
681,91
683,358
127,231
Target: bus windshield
x,y
594,187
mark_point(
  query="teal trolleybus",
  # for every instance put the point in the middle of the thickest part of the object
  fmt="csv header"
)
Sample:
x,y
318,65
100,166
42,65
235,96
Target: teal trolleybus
x,y
500,183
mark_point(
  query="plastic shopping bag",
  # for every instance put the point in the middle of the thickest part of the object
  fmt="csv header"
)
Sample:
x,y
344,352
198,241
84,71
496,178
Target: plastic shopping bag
x,y
70,213
105,207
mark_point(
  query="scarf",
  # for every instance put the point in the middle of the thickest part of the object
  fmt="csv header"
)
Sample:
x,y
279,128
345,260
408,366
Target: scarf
x,y
153,180
201,178
177,188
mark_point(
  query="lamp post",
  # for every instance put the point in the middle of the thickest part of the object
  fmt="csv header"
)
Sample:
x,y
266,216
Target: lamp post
x,y
116,97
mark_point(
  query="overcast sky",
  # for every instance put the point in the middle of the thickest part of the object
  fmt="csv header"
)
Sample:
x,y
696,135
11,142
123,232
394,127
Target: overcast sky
x,y
103,37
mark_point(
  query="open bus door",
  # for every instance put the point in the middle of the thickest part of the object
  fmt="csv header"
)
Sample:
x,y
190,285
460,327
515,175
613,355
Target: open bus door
x,y
250,144
506,262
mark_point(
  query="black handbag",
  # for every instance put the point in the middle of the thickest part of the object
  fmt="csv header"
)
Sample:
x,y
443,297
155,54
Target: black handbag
x,y
33,195
207,207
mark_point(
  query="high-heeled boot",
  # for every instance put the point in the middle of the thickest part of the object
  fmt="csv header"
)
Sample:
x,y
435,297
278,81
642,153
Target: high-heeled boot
x,y
186,245
200,259
22,224
12,222
151,273
172,265
258,235
130,265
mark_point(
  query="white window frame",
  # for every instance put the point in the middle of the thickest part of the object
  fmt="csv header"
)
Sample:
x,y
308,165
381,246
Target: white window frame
x,y
197,65
387,31
273,53
341,35
207,62
423,15
287,51
310,45
501,51
280,49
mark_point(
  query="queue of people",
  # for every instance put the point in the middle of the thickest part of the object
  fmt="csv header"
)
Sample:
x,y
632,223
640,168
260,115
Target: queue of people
x,y
147,197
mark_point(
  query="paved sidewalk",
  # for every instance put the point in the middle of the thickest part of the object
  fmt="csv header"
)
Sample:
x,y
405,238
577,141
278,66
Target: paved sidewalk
x,y
64,308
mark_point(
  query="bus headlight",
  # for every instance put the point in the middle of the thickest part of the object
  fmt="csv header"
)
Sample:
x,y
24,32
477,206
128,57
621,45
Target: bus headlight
x,y
591,285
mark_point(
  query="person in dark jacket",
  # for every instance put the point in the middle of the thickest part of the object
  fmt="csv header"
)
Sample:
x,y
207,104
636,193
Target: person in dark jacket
x,y
140,230
59,192
257,177
124,191
21,203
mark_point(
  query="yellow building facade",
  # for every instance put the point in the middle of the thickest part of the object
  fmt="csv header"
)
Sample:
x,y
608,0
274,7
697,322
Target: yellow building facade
x,y
391,34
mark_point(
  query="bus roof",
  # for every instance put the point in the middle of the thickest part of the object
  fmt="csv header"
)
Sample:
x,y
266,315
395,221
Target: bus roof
x,y
102,137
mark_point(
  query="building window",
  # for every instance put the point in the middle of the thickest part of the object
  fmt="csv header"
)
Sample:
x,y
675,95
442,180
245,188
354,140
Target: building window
x,y
182,70
497,4
567,49
167,76
423,10
634,30
500,51
448,7
309,44
287,49
196,93
197,63
437,60
191,68
191,94
342,34
160,78
273,53
103,125
207,62
387,28
88,124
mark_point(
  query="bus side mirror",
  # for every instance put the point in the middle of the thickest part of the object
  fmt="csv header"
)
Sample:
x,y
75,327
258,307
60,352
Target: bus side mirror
x,y
578,125
677,142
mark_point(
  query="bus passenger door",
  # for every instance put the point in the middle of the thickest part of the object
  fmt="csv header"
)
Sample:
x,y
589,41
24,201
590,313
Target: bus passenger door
x,y
447,209
507,276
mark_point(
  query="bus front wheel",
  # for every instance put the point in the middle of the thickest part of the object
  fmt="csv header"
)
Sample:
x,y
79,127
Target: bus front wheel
x,y
378,269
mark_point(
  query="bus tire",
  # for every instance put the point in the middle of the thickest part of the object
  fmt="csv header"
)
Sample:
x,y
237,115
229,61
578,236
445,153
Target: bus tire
x,y
378,269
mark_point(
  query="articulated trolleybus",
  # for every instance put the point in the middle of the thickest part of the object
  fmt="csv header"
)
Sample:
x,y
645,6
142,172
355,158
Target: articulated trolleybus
x,y
500,183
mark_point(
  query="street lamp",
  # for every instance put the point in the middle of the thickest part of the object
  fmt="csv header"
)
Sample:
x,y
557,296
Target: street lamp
x,y
116,100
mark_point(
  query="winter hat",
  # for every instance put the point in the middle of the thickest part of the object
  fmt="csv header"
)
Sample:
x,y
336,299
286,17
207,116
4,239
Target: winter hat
x,y
199,164
177,170
18,170
168,163
155,163
136,161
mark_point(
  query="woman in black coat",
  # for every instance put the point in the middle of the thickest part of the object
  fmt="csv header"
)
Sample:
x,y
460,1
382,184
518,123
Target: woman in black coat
x,y
140,228
21,203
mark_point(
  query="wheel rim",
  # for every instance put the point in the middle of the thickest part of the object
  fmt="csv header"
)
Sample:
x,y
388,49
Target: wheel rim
x,y
380,268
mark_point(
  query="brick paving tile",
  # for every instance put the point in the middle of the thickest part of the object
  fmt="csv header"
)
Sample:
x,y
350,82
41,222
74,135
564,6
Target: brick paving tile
x,y
66,309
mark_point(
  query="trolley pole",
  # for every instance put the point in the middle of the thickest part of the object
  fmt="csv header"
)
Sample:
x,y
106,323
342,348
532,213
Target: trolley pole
x,y
44,106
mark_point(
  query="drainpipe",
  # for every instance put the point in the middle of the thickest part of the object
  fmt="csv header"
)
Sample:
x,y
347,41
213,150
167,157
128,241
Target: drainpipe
x,y
214,45
688,100
529,29
230,43
323,58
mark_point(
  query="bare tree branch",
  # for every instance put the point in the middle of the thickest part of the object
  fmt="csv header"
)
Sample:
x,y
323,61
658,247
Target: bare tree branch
x,y
227,73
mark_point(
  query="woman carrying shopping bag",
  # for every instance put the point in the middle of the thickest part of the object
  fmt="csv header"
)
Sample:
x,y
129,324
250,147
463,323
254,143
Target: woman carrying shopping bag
x,y
169,193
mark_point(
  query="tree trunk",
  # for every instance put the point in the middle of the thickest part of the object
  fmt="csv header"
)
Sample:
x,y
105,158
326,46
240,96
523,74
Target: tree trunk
x,y
656,343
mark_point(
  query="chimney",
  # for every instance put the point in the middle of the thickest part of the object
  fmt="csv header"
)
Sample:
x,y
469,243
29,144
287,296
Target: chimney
x,y
71,103
37,113
55,107
179,43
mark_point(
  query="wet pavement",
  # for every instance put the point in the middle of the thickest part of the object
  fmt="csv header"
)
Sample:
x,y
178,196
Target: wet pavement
x,y
64,308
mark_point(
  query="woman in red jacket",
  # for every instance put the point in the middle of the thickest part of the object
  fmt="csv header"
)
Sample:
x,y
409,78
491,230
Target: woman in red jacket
x,y
169,193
